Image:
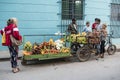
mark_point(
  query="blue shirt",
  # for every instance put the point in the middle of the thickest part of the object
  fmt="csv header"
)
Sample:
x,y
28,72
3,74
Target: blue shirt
x,y
87,29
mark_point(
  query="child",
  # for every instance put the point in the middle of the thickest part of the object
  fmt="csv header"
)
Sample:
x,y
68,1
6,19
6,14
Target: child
x,y
87,28
103,35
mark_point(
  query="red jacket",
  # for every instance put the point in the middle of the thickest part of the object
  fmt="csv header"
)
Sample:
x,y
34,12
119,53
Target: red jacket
x,y
94,25
10,30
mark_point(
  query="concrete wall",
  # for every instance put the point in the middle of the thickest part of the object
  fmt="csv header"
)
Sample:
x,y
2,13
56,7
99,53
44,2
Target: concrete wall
x,y
35,16
116,40
97,9
43,16
100,9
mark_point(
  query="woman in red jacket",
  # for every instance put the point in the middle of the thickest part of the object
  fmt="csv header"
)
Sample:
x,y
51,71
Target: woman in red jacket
x,y
11,29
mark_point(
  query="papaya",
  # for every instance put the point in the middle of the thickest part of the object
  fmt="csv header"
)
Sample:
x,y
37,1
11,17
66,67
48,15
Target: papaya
x,y
27,53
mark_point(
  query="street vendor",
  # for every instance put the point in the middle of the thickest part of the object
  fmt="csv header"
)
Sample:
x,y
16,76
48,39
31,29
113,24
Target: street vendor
x,y
73,28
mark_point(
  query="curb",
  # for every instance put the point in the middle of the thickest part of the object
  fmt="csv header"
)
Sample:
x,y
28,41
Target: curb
x,y
7,59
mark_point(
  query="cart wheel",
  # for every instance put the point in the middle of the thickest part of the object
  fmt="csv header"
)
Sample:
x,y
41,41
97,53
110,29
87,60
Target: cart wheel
x,y
111,49
23,62
83,54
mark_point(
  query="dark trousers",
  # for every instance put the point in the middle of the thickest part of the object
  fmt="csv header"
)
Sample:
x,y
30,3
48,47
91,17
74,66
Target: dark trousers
x,y
97,46
102,47
13,56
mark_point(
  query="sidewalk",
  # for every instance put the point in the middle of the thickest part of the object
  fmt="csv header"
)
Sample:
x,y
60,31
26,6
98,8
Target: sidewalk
x,y
4,55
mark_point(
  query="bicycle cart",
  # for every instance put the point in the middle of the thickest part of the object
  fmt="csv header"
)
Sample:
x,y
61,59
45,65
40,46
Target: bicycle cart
x,y
84,52
46,46
83,45
51,46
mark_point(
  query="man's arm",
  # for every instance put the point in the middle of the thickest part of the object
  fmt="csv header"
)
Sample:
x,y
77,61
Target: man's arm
x,y
69,28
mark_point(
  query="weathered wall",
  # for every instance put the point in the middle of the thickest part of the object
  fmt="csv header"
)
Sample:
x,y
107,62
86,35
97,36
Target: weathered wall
x,y
35,16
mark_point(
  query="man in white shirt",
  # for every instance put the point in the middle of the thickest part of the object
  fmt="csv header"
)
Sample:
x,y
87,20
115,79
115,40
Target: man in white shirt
x,y
98,28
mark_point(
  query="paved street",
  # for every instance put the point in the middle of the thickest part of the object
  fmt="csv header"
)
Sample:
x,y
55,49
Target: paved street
x,y
102,69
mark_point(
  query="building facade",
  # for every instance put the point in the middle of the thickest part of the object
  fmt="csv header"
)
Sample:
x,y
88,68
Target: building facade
x,y
50,16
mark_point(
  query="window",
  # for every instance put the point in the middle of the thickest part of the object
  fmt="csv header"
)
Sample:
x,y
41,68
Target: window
x,y
115,19
115,12
72,9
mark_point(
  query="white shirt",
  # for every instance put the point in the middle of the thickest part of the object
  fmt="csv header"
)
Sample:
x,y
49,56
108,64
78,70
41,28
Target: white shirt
x,y
75,26
99,27
87,29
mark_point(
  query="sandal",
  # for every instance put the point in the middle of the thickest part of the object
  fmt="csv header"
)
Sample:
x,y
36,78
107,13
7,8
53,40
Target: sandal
x,y
15,70
18,69
102,55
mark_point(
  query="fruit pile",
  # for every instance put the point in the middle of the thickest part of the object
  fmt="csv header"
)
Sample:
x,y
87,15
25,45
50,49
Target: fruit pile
x,y
80,38
27,46
50,47
83,38
27,49
94,37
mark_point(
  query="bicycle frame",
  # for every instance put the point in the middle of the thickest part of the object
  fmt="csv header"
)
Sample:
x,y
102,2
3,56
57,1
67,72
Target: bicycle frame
x,y
109,41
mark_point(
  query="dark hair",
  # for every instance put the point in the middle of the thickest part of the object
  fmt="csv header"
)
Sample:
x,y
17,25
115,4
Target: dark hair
x,y
99,20
73,19
87,22
96,19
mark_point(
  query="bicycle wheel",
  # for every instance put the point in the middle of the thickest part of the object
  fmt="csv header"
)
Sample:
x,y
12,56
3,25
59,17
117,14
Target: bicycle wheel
x,y
83,54
111,49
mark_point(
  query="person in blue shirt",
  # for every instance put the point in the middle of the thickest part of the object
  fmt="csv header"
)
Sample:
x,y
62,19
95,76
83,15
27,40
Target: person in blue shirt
x,y
87,28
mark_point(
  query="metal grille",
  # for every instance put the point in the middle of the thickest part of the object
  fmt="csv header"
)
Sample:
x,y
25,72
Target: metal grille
x,y
115,18
72,9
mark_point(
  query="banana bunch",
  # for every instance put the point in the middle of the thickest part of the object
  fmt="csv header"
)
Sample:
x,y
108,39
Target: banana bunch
x,y
72,37
65,50
27,46
83,34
